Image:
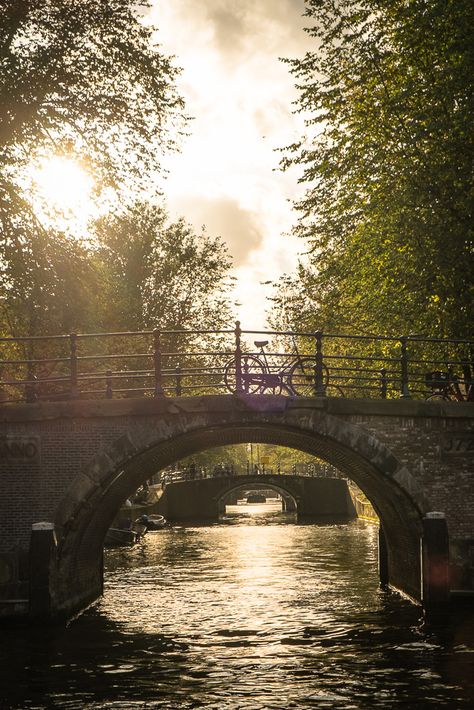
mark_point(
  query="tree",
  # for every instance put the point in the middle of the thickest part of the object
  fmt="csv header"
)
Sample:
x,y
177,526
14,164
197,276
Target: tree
x,y
48,282
48,286
86,78
233,456
387,214
244,456
81,79
160,274
155,274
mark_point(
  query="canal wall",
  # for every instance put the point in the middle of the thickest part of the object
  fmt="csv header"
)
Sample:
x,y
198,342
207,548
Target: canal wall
x,y
363,507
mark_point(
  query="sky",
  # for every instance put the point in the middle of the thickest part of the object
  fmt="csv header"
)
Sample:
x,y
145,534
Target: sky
x,y
240,96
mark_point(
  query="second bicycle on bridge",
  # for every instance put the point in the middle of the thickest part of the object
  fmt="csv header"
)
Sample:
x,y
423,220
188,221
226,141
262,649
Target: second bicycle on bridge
x,y
242,362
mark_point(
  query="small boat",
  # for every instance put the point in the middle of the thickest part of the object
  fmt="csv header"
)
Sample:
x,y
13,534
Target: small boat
x,y
120,537
117,537
153,522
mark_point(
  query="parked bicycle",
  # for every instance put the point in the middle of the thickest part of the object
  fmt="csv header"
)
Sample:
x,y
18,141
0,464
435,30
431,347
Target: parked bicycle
x,y
296,376
448,386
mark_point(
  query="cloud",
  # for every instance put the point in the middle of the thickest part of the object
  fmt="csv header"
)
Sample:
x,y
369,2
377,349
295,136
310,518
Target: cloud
x,y
224,217
253,26
236,29
240,96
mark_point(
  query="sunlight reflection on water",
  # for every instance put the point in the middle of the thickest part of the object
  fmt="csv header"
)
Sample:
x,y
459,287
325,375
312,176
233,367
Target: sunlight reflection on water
x,y
250,615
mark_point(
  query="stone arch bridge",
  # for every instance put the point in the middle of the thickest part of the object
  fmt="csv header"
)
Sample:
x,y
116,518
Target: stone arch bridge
x,y
66,468
206,498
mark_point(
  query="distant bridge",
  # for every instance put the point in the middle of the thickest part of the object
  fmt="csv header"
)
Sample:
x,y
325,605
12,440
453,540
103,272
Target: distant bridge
x,y
206,498
66,467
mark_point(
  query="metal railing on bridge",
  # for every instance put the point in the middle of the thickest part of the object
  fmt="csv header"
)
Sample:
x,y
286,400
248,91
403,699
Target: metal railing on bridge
x,y
197,473
197,362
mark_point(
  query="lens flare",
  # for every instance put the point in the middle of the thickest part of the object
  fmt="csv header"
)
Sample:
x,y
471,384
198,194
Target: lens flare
x,y
63,183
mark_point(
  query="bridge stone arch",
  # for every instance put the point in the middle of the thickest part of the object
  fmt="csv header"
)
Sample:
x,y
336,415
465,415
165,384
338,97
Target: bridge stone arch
x,y
148,444
253,483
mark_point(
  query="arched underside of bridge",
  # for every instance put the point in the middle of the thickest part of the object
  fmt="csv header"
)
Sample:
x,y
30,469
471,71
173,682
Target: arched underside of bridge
x,y
92,501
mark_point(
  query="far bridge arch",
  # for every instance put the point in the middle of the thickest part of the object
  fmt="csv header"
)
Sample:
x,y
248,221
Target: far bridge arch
x,y
93,499
256,483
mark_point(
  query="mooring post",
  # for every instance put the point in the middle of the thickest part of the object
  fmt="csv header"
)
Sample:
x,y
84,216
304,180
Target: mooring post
x,y
383,559
43,546
435,563
238,358
159,391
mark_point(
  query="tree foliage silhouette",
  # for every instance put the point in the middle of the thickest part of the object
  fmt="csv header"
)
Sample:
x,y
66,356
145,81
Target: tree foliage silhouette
x,y
388,164
85,80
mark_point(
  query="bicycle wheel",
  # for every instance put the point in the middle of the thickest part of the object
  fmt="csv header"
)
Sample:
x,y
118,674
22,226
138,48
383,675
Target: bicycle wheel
x,y
302,377
438,397
252,375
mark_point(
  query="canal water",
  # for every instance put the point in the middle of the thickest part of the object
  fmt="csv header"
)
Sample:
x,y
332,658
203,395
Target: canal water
x,y
254,612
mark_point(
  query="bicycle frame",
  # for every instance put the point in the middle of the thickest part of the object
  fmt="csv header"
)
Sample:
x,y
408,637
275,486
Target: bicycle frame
x,y
283,369
270,379
296,376
282,377
447,385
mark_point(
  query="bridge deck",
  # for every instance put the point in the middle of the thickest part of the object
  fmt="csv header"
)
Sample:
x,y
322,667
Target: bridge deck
x,y
144,406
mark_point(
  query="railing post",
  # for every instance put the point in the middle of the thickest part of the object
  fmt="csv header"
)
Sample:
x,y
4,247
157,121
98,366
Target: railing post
x,y
31,395
159,391
238,358
73,382
383,383
404,391
108,384
178,381
319,388
3,396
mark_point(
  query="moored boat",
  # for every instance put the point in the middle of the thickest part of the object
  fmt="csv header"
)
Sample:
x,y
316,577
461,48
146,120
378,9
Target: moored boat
x,y
116,537
152,522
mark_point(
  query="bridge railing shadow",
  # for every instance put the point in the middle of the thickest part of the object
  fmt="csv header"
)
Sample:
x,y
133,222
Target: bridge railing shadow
x,y
201,362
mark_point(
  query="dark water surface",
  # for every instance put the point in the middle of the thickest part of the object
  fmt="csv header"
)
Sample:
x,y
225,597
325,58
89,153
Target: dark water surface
x,y
248,614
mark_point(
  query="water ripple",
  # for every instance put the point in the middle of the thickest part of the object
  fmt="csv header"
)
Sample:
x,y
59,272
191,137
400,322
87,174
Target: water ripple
x,y
243,617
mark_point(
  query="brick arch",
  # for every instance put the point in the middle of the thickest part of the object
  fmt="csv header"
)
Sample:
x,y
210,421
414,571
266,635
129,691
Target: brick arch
x,y
94,498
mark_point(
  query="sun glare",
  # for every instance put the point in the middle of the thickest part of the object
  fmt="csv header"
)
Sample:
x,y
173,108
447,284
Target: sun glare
x,y
63,192
64,183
